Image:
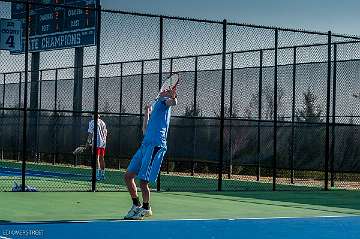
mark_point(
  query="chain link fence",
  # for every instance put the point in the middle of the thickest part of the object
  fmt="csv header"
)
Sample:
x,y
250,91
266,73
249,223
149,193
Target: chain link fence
x,y
259,108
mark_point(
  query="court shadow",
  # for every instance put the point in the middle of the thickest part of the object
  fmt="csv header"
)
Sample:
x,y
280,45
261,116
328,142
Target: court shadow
x,y
322,201
5,222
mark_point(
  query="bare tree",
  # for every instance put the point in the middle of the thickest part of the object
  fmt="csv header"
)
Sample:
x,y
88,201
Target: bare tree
x,y
251,111
227,112
190,111
311,109
269,102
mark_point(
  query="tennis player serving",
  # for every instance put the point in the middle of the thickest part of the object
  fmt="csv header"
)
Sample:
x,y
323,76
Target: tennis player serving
x,y
145,164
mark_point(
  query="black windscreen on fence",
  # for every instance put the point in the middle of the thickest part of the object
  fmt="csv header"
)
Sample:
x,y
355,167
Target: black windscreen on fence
x,y
259,108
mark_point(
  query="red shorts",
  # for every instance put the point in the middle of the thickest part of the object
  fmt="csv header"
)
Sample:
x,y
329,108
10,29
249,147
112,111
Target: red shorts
x,y
100,152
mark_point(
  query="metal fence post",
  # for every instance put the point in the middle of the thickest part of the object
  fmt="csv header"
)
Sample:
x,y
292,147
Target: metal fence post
x,y
258,172
77,96
96,93
121,88
327,133
293,118
231,113
161,38
141,89
196,82
120,111
166,155
222,112
171,65
141,100
194,113
19,117
34,104
332,166
24,143
275,109
20,82
56,117
38,119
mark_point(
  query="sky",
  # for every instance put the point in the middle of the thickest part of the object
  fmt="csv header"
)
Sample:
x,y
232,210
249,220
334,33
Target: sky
x,y
321,15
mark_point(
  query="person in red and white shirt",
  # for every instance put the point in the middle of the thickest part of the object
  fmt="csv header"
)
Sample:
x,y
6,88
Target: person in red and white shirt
x,y
100,147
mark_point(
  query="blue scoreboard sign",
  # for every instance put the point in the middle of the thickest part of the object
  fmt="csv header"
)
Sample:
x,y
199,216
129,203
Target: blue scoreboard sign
x,y
58,27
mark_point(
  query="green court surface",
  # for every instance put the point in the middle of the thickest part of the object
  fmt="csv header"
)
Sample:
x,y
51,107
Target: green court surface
x,y
308,201
56,206
47,177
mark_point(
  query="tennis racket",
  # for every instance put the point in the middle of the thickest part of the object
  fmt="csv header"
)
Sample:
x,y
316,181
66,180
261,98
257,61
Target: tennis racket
x,y
81,149
170,83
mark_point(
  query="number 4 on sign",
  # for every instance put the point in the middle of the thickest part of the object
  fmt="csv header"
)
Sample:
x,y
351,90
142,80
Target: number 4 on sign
x,y
10,35
10,41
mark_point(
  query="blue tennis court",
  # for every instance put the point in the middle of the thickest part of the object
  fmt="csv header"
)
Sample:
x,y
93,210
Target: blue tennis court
x,y
318,227
16,172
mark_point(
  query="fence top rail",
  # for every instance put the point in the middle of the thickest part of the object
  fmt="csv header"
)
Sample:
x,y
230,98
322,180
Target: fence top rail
x,y
354,37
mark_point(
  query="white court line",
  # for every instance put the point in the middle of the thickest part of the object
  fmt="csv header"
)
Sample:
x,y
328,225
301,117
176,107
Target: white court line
x,y
233,219
245,218
184,219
